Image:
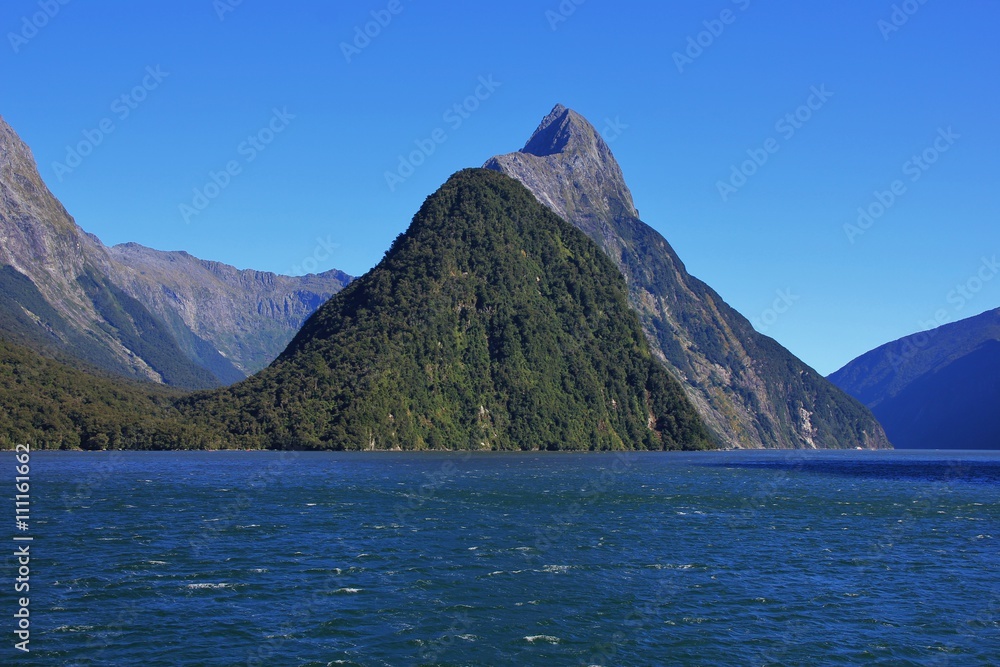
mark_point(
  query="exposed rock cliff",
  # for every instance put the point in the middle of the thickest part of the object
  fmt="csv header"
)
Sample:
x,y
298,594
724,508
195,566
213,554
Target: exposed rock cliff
x,y
165,317
751,391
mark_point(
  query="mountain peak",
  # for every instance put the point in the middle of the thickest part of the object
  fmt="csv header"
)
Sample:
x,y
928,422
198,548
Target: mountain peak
x,y
490,324
556,131
568,166
751,391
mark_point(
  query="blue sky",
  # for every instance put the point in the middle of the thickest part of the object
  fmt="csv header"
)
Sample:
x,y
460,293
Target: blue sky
x,y
300,131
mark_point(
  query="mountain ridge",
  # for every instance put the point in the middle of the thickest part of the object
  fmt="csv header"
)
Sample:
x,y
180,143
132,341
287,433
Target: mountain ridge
x,y
934,388
217,324
749,390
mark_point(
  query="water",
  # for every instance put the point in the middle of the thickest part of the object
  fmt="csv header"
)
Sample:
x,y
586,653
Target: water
x,y
249,558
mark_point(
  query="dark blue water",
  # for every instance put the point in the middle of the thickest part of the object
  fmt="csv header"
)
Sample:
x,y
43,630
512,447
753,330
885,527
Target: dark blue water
x,y
736,558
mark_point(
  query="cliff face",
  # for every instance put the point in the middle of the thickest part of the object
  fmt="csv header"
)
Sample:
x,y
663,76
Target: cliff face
x,y
37,236
750,391
165,317
249,316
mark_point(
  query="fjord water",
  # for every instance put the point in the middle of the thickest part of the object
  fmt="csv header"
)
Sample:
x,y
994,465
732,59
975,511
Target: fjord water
x,y
733,558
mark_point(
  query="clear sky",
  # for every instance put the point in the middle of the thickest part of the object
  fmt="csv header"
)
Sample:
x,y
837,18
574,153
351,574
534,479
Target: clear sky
x,y
159,96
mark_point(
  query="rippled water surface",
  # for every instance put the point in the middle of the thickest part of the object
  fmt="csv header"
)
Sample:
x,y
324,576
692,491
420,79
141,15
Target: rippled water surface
x,y
737,558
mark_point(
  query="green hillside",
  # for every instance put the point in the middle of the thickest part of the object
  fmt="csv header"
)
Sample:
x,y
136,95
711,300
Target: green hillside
x,y
490,324
54,406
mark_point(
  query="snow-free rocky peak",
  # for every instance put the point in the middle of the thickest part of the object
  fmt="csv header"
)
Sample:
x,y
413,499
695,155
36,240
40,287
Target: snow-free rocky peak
x,y
569,167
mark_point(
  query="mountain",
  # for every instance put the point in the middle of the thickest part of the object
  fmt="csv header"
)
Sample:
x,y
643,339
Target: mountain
x,y
247,316
939,389
51,405
165,317
489,324
750,391
57,296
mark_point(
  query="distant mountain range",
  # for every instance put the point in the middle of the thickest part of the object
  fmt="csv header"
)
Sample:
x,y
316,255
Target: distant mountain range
x,y
161,316
939,389
750,390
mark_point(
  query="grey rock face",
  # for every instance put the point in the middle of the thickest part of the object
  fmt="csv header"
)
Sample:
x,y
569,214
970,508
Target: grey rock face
x,y
209,316
249,316
749,390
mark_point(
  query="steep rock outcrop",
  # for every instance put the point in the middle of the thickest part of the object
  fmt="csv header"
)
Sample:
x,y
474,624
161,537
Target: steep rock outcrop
x,y
750,391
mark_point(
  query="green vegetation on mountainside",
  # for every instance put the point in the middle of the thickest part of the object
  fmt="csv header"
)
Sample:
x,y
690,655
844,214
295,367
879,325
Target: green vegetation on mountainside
x,y
490,324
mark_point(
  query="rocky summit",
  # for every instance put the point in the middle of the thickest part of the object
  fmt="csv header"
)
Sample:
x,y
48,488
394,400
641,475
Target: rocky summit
x,y
750,390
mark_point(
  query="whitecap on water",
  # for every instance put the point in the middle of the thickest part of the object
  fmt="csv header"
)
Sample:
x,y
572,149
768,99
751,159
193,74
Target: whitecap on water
x,y
198,586
74,628
542,638
556,568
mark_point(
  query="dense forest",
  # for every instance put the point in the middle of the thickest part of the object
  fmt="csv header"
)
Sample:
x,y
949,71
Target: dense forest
x,y
52,405
490,324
